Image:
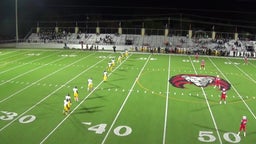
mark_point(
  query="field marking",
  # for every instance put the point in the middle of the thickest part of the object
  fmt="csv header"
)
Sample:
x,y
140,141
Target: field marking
x,y
79,104
30,71
209,107
2,59
24,64
234,89
122,106
51,92
244,73
167,100
33,83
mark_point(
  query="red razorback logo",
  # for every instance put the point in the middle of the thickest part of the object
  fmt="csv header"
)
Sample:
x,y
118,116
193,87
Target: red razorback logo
x,y
198,80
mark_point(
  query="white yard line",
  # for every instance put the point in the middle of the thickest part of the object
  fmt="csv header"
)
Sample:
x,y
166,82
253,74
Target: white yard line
x,y
208,105
167,100
31,70
2,59
77,106
244,73
122,106
51,93
234,89
24,64
33,83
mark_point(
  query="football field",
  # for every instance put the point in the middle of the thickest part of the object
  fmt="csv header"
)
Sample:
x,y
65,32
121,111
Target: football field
x,y
147,98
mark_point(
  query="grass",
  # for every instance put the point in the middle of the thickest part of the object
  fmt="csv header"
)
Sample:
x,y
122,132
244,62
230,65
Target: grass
x,y
137,104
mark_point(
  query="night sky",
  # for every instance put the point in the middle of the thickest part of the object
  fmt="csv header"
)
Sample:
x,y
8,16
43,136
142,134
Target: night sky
x,y
31,11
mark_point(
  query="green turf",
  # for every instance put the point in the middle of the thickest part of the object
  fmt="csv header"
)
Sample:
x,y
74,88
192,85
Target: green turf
x,y
136,105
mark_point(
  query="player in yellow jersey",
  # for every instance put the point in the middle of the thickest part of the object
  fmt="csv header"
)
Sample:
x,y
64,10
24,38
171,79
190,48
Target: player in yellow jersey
x,y
119,59
122,55
75,90
90,84
126,53
110,66
67,104
113,62
105,75
66,107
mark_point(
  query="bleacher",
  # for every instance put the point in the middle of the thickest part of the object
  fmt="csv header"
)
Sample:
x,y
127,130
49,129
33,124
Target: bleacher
x,y
180,44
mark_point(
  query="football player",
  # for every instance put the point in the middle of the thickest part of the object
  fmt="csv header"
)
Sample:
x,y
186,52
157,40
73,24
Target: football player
x,y
67,104
110,66
105,75
126,53
75,90
119,59
202,64
223,96
217,82
243,125
90,84
245,60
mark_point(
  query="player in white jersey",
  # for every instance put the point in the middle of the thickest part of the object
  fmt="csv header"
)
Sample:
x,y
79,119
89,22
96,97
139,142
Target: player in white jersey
x,y
67,97
90,84
126,53
67,104
75,90
119,59
66,107
110,66
113,62
105,75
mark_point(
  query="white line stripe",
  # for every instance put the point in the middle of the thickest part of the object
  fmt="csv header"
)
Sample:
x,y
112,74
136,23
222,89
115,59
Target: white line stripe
x,y
33,83
47,95
244,72
24,64
30,71
167,100
76,107
234,90
208,105
122,106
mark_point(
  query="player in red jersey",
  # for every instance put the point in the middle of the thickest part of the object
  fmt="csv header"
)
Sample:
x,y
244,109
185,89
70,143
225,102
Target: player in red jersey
x,y
217,82
243,126
196,56
202,64
223,96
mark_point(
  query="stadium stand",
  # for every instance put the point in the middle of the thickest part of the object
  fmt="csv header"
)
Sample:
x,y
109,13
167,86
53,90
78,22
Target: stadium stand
x,y
198,42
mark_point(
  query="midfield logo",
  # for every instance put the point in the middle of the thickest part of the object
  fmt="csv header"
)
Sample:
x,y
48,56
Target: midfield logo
x,y
198,80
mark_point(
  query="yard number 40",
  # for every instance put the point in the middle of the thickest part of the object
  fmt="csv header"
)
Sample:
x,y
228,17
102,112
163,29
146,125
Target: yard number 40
x,y
119,131
207,136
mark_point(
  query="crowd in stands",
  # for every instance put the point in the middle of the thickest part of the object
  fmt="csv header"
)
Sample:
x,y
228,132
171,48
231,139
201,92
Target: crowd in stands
x,y
173,44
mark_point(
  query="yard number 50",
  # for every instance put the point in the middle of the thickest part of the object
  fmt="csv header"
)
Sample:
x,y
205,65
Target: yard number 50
x,y
207,136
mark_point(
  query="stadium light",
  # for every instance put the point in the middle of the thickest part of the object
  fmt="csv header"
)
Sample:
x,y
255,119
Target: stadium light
x,y
16,13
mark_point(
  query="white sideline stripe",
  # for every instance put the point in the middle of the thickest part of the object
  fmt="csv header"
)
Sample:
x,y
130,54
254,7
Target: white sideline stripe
x,y
30,71
208,105
234,90
24,64
49,94
77,106
122,106
33,83
167,100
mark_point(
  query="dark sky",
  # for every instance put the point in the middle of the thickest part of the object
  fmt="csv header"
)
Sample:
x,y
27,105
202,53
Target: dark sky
x,y
31,11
